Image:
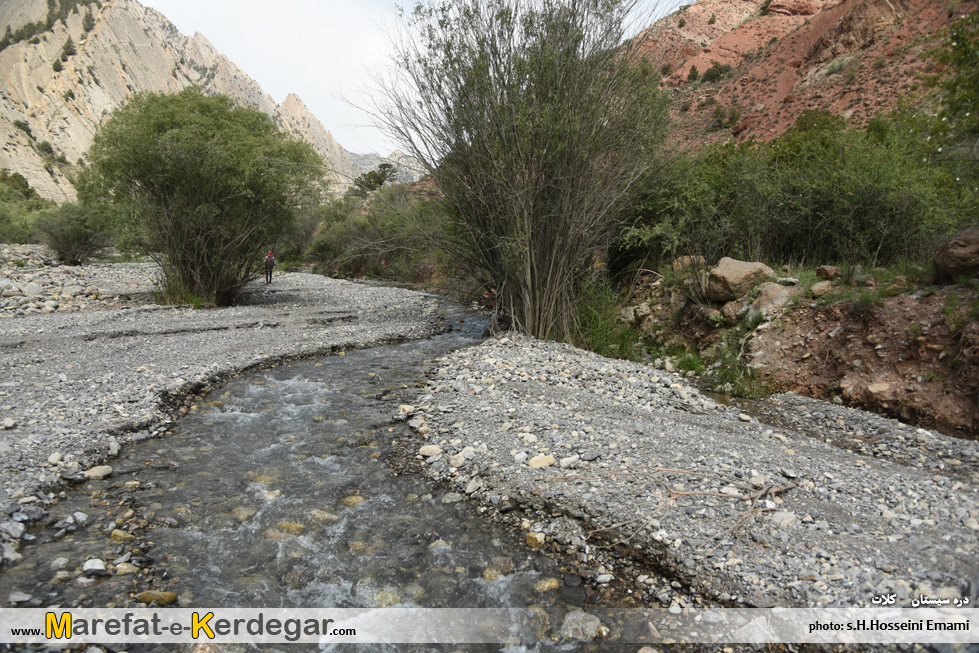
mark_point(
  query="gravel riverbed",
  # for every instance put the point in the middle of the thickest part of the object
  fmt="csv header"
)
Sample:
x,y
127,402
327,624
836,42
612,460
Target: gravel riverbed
x,y
822,506
80,381
648,487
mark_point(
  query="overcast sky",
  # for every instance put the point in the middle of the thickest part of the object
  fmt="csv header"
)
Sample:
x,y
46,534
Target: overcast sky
x,y
322,50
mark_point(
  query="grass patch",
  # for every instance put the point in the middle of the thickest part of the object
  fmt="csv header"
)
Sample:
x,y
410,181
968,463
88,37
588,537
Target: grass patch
x,y
599,328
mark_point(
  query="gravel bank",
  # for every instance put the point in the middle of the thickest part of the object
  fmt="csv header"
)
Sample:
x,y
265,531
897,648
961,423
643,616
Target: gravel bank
x,y
823,506
77,384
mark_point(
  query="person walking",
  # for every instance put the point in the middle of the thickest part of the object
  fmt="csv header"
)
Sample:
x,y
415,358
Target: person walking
x,y
269,264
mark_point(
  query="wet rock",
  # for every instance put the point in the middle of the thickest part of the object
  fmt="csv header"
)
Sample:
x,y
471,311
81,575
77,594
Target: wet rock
x,y
452,497
243,513
535,540
12,529
353,500
492,573
291,527
581,626
18,597
94,567
160,598
126,569
98,473
9,553
118,535
547,584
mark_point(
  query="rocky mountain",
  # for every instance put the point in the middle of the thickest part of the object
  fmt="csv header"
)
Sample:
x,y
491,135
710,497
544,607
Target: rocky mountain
x,y
52,105
854,58
409,170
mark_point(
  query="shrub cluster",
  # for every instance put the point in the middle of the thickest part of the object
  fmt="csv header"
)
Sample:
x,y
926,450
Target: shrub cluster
x,y
820,193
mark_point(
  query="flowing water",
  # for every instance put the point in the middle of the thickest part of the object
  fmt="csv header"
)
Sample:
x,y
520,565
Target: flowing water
x,y
274,493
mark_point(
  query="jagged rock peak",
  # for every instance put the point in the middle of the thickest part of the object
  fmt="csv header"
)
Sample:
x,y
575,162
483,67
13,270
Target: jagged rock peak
x,y
131,48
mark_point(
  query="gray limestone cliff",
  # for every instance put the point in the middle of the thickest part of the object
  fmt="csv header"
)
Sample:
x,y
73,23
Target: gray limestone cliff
x,y
131,48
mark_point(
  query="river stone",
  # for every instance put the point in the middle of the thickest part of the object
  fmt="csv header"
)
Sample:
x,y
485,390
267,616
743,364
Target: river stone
x,y
386,598
540,461
291,527
126,569
10,554
492,573
452,497
98,473
352,501
160,598
18,597
242,513
534,540
94,566
322,515
118,535
783,519
429,450
34,289
475,485
13,529
547,584
457,460
9,423
580,626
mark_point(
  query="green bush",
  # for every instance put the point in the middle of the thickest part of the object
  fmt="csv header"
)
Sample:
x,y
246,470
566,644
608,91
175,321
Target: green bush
x,y
205,185
598,327
820,193
713,19
693,75
73,231
390,237
716,73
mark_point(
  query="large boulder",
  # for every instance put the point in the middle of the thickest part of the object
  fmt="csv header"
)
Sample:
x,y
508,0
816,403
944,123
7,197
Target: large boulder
x,y
731,279
959,255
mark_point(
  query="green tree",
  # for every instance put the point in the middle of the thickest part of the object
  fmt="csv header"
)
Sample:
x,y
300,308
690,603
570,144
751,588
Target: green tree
x,y
88,22
207,187
371,180
534,121
68,49
693,75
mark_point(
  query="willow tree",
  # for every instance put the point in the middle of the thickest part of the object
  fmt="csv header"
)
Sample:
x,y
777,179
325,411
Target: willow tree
x,y
206,186
535,119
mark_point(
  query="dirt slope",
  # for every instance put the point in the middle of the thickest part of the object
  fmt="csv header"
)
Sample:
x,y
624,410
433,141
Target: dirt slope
x,y
855,58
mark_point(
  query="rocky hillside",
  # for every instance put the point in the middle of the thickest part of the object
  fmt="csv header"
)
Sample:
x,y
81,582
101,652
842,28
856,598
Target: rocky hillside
x,y
48,116
854,58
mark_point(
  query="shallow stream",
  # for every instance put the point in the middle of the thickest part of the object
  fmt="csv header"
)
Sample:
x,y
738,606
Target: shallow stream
x,y
274,492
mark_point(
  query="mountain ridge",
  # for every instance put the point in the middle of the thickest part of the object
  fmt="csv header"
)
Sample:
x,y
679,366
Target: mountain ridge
x,y
48,117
